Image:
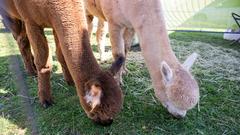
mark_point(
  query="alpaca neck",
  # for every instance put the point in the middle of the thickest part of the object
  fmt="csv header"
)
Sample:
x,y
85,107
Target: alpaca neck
x,y
155,46
71,28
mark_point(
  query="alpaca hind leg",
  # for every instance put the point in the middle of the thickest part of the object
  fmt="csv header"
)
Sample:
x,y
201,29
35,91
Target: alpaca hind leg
x,y
117,42
128,37
60,57
18,30
42,60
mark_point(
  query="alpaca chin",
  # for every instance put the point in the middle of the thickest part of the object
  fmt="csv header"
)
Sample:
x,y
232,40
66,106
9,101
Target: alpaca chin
x,y
176,112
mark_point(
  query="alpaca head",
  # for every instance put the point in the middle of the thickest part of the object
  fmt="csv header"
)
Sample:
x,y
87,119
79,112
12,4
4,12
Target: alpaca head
x,y
181,88
103,97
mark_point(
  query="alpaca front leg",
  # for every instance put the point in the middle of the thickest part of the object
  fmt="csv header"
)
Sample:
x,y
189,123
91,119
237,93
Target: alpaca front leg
x,y
128,37
101,38
18,30
42,59
117,42
61,59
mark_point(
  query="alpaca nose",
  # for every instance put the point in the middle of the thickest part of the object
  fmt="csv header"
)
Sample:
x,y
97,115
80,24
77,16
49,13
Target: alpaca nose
x,y
107,122
176,112
179,114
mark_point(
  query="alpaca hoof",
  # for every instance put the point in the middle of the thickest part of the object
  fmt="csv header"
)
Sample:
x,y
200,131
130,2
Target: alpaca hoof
x,y
31,69
68,79
125,71
46,103
70,83
32,72
119,81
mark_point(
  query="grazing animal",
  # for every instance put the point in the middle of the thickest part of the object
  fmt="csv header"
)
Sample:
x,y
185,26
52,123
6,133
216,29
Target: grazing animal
x,y
174,86
100,95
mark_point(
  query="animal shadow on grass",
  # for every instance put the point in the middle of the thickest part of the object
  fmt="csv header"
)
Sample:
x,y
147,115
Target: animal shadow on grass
x,y
12,111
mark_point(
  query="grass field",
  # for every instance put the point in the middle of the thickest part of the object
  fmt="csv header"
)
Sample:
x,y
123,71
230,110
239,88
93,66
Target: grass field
x,y
217,71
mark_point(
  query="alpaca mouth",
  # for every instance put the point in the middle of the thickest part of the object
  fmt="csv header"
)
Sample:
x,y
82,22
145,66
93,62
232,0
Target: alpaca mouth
x,y
107,122
178,113
97,120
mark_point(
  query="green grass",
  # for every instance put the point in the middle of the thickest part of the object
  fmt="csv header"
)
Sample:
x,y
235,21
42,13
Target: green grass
x,y
12,117
217,71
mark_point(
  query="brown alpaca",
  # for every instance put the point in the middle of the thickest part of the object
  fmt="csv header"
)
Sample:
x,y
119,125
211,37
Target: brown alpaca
x,y
100,95
174,86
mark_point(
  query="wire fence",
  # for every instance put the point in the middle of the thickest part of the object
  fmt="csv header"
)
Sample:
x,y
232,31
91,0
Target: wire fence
x,y
201,15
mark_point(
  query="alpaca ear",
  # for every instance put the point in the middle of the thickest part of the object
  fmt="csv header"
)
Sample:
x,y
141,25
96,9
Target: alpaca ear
x,y
93,96
166,72
189,61
116,65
